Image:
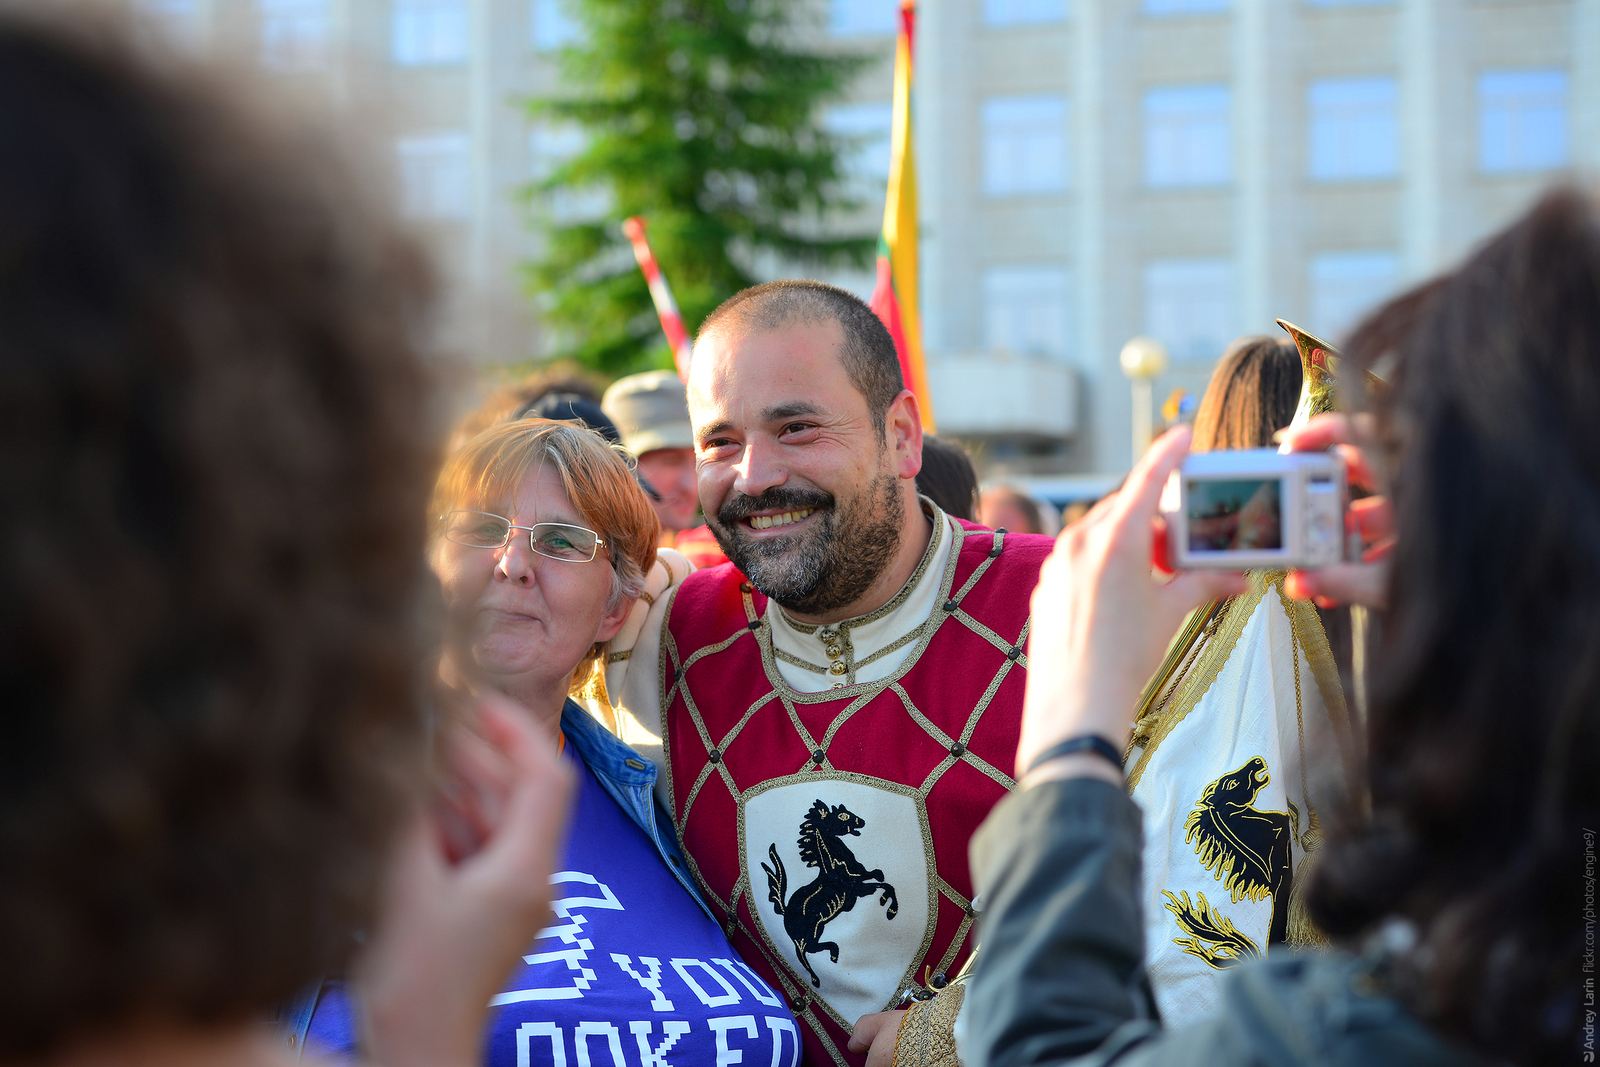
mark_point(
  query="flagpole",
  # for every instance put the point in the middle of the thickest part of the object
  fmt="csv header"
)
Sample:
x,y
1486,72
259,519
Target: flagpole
x,y
660,294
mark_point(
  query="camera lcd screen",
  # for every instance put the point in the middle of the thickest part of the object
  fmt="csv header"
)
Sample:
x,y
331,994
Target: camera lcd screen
x,y
1235,516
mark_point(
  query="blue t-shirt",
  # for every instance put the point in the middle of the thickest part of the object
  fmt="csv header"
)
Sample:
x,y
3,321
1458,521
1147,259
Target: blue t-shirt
x,y
630,973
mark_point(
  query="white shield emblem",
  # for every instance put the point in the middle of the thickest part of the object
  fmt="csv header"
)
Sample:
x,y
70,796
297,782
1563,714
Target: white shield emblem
x,y
839,868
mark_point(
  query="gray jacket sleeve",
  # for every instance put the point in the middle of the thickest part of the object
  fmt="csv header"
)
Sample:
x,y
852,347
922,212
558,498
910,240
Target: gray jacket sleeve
x,y
1061,971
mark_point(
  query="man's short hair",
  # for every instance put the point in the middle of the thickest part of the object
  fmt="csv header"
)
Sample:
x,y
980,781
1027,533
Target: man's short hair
x,y
869,354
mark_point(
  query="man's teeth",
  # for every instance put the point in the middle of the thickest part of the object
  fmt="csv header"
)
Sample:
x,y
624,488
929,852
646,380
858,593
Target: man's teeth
x,y
767,522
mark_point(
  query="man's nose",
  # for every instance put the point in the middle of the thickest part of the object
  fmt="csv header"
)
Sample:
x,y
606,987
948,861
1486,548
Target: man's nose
x,y
759,468
516,563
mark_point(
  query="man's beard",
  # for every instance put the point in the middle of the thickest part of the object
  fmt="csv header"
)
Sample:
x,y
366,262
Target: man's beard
x,y
831,563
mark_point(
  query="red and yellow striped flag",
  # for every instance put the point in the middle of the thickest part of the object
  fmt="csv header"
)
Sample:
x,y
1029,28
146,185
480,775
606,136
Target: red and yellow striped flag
x,y
894,297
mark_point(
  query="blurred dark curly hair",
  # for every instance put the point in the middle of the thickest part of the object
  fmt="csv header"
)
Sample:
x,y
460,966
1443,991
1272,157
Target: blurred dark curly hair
x,y
1484,732
214,459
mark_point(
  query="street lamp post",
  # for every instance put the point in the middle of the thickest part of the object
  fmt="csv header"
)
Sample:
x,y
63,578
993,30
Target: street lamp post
x,y
1142,358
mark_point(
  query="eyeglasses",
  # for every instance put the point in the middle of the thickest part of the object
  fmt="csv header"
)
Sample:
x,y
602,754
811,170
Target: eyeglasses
x,y
553,540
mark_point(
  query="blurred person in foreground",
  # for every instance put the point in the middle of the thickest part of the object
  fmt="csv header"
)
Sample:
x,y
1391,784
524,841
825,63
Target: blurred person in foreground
x,y
212,383
1453,889
947,477
1005,507
835,712
1248,688
651,411
541,542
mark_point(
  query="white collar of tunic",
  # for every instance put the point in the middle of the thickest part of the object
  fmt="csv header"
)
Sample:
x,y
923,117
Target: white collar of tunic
x,y
869,647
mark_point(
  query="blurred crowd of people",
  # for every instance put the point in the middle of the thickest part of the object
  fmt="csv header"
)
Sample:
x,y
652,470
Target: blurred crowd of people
x,y
726,720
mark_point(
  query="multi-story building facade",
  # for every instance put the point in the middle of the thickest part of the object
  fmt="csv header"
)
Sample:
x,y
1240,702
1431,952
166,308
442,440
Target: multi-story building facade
x,y
434,88
1192,169
1090,169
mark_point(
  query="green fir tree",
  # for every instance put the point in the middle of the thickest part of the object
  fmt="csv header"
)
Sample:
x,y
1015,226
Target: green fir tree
x,y
701,116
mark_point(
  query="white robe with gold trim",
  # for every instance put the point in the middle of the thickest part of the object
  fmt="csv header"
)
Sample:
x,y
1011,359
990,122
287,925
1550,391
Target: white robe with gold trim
x,y
1230,810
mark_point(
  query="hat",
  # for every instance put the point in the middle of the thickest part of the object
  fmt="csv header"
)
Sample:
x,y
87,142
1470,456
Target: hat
x,y
651,410
568,407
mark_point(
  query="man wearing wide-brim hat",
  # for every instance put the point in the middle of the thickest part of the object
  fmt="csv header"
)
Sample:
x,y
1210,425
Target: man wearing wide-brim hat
x,y
652,412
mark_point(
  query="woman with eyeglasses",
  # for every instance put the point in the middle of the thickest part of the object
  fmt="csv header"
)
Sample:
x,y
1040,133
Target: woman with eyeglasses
x,y
542,540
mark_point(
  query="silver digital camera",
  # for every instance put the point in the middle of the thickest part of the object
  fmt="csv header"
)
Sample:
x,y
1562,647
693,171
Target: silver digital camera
x,y
1256,510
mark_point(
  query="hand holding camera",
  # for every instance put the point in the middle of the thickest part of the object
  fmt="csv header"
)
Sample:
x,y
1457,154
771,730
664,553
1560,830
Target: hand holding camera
x,y
1101,620
1284,510
1256,509
1362,577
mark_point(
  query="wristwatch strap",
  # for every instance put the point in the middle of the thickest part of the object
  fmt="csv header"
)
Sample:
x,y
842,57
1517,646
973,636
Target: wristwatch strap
x,y
1082,743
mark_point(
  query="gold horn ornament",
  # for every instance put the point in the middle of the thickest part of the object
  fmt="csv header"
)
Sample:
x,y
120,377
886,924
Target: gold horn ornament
x,y
1319,372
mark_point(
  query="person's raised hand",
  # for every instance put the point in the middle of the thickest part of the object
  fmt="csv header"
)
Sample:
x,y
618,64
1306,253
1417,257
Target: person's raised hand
x,y
876,1035
1101,621
1356,582
467,891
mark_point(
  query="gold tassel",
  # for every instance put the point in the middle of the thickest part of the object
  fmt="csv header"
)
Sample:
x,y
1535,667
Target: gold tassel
x,y
1302,932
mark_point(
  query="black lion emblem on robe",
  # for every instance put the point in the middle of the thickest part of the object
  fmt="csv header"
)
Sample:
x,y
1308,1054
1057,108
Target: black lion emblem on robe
x,y
1247,848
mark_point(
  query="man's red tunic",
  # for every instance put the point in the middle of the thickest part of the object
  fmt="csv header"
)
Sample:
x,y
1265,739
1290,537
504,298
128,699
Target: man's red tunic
x,y
837,822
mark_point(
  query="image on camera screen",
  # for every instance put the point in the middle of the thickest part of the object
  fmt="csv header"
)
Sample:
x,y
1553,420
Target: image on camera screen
x,y
1235,516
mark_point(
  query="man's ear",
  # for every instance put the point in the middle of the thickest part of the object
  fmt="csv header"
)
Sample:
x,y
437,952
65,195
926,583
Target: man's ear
x,y
903,434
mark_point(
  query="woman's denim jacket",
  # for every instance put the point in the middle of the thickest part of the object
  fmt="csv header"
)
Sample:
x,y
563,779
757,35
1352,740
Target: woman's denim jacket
x,y
631,781
628,779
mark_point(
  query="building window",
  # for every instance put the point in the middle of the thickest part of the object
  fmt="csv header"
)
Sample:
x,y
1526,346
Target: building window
x,y
1023,12
853,18
1522,120
1347,285
294,33
1184,7
553,28
1354,133
435,175
428,32
1026,310
1187,138
1024,144
1189,306
864,131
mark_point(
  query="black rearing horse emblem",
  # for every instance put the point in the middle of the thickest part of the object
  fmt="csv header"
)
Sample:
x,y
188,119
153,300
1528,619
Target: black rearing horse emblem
x,y
841,880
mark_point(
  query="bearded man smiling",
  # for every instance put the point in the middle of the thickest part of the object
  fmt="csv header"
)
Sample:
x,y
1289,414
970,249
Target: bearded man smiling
x,y
835,711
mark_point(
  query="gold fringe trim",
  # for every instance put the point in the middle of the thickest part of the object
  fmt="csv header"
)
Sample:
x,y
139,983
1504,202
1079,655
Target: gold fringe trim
x,y
1198,681
1306,626
1176,652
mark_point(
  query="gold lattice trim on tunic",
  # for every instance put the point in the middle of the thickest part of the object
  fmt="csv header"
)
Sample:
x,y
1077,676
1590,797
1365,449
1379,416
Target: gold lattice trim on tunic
x,y
671,673
1209,657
